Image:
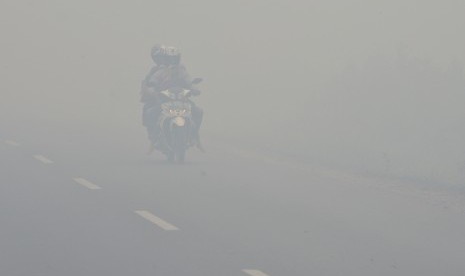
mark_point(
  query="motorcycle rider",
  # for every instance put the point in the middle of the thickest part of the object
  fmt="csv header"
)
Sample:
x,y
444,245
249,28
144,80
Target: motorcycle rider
x,y
148,93
167,73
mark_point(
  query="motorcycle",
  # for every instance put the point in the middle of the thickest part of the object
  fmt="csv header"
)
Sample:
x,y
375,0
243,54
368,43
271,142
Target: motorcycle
x,y
178,129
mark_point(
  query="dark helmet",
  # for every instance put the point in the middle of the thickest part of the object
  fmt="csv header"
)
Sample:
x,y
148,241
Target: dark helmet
x,y
173,56
158,54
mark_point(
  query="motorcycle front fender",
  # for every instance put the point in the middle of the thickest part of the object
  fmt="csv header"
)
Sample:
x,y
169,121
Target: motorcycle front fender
x,y
179,121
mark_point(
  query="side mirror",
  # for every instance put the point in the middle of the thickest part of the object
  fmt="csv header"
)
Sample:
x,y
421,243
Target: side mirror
x,y
197,80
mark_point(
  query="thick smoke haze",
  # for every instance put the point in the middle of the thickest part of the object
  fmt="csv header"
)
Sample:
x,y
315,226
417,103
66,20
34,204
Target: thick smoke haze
x,y
334,135
371,86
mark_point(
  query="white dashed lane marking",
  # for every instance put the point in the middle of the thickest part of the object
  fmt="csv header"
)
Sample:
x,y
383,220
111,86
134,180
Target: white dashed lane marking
x,y
86,183
253,272
12,143
156,220
43,159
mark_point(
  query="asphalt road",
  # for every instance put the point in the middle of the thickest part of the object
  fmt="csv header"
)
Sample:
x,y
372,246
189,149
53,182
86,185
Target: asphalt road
x,y
78,200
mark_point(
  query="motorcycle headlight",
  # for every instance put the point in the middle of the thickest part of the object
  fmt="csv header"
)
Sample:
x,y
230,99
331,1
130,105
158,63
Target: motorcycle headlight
x,y
177,112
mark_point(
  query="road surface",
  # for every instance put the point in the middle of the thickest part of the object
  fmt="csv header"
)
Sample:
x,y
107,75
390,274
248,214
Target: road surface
x,y
87,200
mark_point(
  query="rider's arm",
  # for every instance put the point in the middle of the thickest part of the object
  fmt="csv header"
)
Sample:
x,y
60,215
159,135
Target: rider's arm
x,y
184,77
148,86
188,82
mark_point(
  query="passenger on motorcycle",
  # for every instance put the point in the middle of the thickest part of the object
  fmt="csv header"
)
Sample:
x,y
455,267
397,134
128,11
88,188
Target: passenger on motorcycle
x,y
167,73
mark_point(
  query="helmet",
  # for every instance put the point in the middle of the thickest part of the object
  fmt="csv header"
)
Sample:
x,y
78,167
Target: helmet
x,y
173,56
158,54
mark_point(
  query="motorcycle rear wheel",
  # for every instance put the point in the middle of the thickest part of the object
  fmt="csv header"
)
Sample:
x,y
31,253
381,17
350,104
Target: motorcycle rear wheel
x,y
170,157
180,156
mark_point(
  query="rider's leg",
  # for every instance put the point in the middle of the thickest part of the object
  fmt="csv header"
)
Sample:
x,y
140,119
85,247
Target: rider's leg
x,y
197,117
145,115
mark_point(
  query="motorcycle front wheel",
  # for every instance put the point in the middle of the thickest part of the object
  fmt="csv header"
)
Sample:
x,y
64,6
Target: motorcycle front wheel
x,y
180,144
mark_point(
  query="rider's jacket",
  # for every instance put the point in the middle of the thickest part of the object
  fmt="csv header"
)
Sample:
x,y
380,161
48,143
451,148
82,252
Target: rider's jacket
x,y
162,77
